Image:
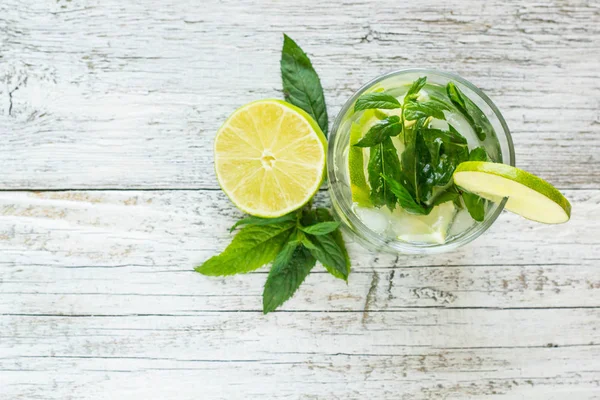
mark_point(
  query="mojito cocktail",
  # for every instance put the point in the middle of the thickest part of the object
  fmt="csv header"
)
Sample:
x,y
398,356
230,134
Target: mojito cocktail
x,y
397,144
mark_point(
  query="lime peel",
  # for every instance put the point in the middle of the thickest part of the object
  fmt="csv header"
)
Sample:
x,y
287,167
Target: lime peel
x,y
528,195
270,158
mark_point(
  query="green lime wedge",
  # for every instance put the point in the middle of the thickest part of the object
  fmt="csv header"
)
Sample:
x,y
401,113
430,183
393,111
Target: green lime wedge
x,y
529,196
356,167
358,181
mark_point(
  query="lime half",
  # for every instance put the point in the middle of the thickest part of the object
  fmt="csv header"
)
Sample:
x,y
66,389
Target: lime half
x,y
528,195
270,158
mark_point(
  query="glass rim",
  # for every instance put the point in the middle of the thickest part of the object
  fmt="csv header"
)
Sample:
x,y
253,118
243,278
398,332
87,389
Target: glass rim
x,y
393,244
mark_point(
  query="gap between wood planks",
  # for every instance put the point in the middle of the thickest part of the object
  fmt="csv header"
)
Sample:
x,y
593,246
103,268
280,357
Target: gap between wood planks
x,y
164,189
398,309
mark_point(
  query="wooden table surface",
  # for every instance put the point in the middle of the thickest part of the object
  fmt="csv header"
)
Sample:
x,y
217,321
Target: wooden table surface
x,y
108,109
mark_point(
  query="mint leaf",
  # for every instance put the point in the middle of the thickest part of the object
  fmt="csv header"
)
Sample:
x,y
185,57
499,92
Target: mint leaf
x,y
447,149
475,205
451,137
478,154
383,160
425,172
446,196
291,266
477,119
250,220
382,130
456,96
445,166
441,98
253,247
414,110
327,251
376,100
301,84
324,215
404,197
321,228
435,148
408,158
413,91
416,165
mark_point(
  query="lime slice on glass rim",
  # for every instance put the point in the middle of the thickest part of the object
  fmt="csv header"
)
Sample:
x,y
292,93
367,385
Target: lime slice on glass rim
x,y
529,196
270,158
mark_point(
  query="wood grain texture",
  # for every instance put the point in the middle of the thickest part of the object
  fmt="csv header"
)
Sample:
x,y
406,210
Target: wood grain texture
x,y
113,94
421,354
97,296
98,300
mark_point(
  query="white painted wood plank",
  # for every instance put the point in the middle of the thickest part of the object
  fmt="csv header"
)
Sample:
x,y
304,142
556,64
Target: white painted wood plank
x,y
167,229
98,300
419,354
127,252
120,94
130,290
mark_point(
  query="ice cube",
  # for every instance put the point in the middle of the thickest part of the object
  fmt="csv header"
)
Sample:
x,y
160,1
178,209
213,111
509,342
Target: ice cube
x,y
462,222
460,123
376,219
432,228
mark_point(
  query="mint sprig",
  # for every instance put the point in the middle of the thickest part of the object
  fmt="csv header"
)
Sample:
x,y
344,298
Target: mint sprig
x,y
414,110
386,128
293,244
479,122
382,101
321,228
415,88
323,214
326,250
296,241
301,84
383,160
291,266
253,247
405,199
419,179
